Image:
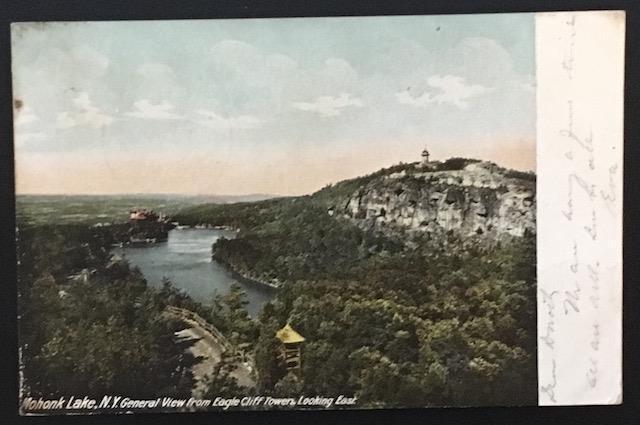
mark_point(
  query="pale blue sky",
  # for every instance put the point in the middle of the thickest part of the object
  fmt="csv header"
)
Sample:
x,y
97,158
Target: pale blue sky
x,y
271,105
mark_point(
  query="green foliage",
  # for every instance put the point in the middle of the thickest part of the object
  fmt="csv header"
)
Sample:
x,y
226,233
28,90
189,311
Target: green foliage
x,y
522,175
266,353
221,380
229,315
453,164
91,326
447,322
423,334
289,386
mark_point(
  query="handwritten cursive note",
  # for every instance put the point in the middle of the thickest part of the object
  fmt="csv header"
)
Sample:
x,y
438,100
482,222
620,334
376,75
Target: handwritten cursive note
x,y
580,69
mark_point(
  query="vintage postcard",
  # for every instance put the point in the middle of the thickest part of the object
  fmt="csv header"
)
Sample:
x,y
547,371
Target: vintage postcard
x,y
319,213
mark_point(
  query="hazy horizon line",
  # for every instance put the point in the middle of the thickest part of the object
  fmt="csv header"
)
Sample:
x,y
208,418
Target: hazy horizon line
x,y
245,195
271,195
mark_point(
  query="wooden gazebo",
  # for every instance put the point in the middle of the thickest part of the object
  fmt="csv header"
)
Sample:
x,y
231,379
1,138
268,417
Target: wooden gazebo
x,y
290,349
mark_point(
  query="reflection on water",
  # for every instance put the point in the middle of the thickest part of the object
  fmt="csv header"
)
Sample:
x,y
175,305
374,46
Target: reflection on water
x,y
185,259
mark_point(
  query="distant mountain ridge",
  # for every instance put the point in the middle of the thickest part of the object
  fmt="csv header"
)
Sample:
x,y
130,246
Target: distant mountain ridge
x,y
223,199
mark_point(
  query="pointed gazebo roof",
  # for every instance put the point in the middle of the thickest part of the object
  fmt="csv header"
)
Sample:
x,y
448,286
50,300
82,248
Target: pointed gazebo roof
x,y
287,335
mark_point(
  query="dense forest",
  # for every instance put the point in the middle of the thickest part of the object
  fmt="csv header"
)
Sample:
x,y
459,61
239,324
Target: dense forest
x,y
437,322
90,325
446,321
421,329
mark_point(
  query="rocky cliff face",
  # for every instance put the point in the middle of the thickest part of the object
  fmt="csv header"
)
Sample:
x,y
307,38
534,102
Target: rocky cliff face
x,y
479,198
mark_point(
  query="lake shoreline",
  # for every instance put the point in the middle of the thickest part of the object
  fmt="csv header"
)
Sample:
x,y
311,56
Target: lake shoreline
x,y
243,277
185,259
236,274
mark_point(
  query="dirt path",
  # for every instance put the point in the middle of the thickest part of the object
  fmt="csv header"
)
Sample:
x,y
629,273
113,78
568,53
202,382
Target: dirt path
x,y
208,348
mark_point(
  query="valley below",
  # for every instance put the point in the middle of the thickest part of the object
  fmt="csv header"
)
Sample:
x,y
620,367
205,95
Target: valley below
x,y
413,286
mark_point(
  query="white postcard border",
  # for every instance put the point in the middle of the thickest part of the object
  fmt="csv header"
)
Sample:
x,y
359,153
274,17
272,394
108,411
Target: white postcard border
x,y
580,92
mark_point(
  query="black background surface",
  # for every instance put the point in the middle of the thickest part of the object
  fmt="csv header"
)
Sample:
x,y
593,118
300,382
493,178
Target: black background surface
x,y
43,10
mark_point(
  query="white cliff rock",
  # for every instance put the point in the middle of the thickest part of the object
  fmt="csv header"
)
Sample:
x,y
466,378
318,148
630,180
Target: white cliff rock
x,y
480,198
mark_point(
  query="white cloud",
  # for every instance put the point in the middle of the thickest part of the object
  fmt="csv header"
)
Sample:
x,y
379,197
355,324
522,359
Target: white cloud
x,y
218,122
528,85
21,138
24,116
155,70
450,89
241,63
155,80
147,110
239,54
338,70
85,114
267,83
329,105
481,58
275,91
90,58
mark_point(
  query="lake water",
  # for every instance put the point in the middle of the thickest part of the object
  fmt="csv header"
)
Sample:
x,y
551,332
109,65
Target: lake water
x,y
185,259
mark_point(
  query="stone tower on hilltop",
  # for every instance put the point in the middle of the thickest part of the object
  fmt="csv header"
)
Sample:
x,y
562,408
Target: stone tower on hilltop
x,y
425,156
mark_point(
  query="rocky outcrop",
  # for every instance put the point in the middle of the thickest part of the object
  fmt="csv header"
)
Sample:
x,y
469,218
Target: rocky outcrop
x,y
479,198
